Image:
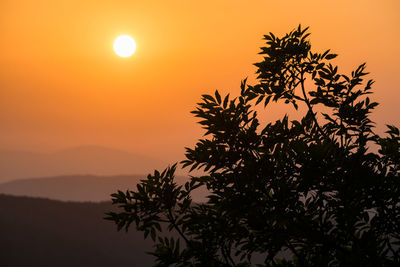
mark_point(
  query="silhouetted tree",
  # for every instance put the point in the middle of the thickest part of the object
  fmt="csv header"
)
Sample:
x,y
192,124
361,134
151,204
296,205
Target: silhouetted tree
x,y
322,190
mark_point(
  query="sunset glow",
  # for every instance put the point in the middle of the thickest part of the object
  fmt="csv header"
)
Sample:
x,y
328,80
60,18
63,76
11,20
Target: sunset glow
x,y
259,133
62,84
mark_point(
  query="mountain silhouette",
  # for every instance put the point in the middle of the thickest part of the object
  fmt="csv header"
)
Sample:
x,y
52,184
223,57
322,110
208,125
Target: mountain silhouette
x,y
80,187
93,160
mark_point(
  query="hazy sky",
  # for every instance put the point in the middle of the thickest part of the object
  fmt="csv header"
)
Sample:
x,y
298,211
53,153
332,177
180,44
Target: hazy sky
x,y
62,85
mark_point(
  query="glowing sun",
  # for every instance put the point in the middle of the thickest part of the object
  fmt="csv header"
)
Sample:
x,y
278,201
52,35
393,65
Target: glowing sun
x,y
124,46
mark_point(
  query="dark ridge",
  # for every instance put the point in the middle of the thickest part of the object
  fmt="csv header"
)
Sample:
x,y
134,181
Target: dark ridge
x,y
43,232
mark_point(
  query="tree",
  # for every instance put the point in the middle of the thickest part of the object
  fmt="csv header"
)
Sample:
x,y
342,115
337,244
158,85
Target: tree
x,y
322,190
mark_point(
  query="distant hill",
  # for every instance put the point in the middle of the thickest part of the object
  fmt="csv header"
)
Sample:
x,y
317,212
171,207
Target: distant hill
x,y
79,187
47,233
72,187
94,160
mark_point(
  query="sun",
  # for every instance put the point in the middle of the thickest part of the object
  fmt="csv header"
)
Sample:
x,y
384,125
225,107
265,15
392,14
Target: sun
x,y
124,46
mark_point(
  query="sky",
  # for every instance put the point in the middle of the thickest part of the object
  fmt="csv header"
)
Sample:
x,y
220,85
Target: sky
x,y
62,85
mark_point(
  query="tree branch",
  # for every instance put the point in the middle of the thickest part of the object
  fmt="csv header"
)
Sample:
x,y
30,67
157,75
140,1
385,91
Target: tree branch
x,y
173,222
310,107
225,255
228,255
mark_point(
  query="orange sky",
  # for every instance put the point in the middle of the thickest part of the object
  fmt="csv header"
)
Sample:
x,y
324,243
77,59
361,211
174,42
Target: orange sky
x,y
61,84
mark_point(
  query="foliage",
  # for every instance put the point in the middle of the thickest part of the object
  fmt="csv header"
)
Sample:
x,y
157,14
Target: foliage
x,y
323,190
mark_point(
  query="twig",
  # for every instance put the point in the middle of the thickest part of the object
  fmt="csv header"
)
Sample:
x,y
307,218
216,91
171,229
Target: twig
x,y
310,107
172,221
